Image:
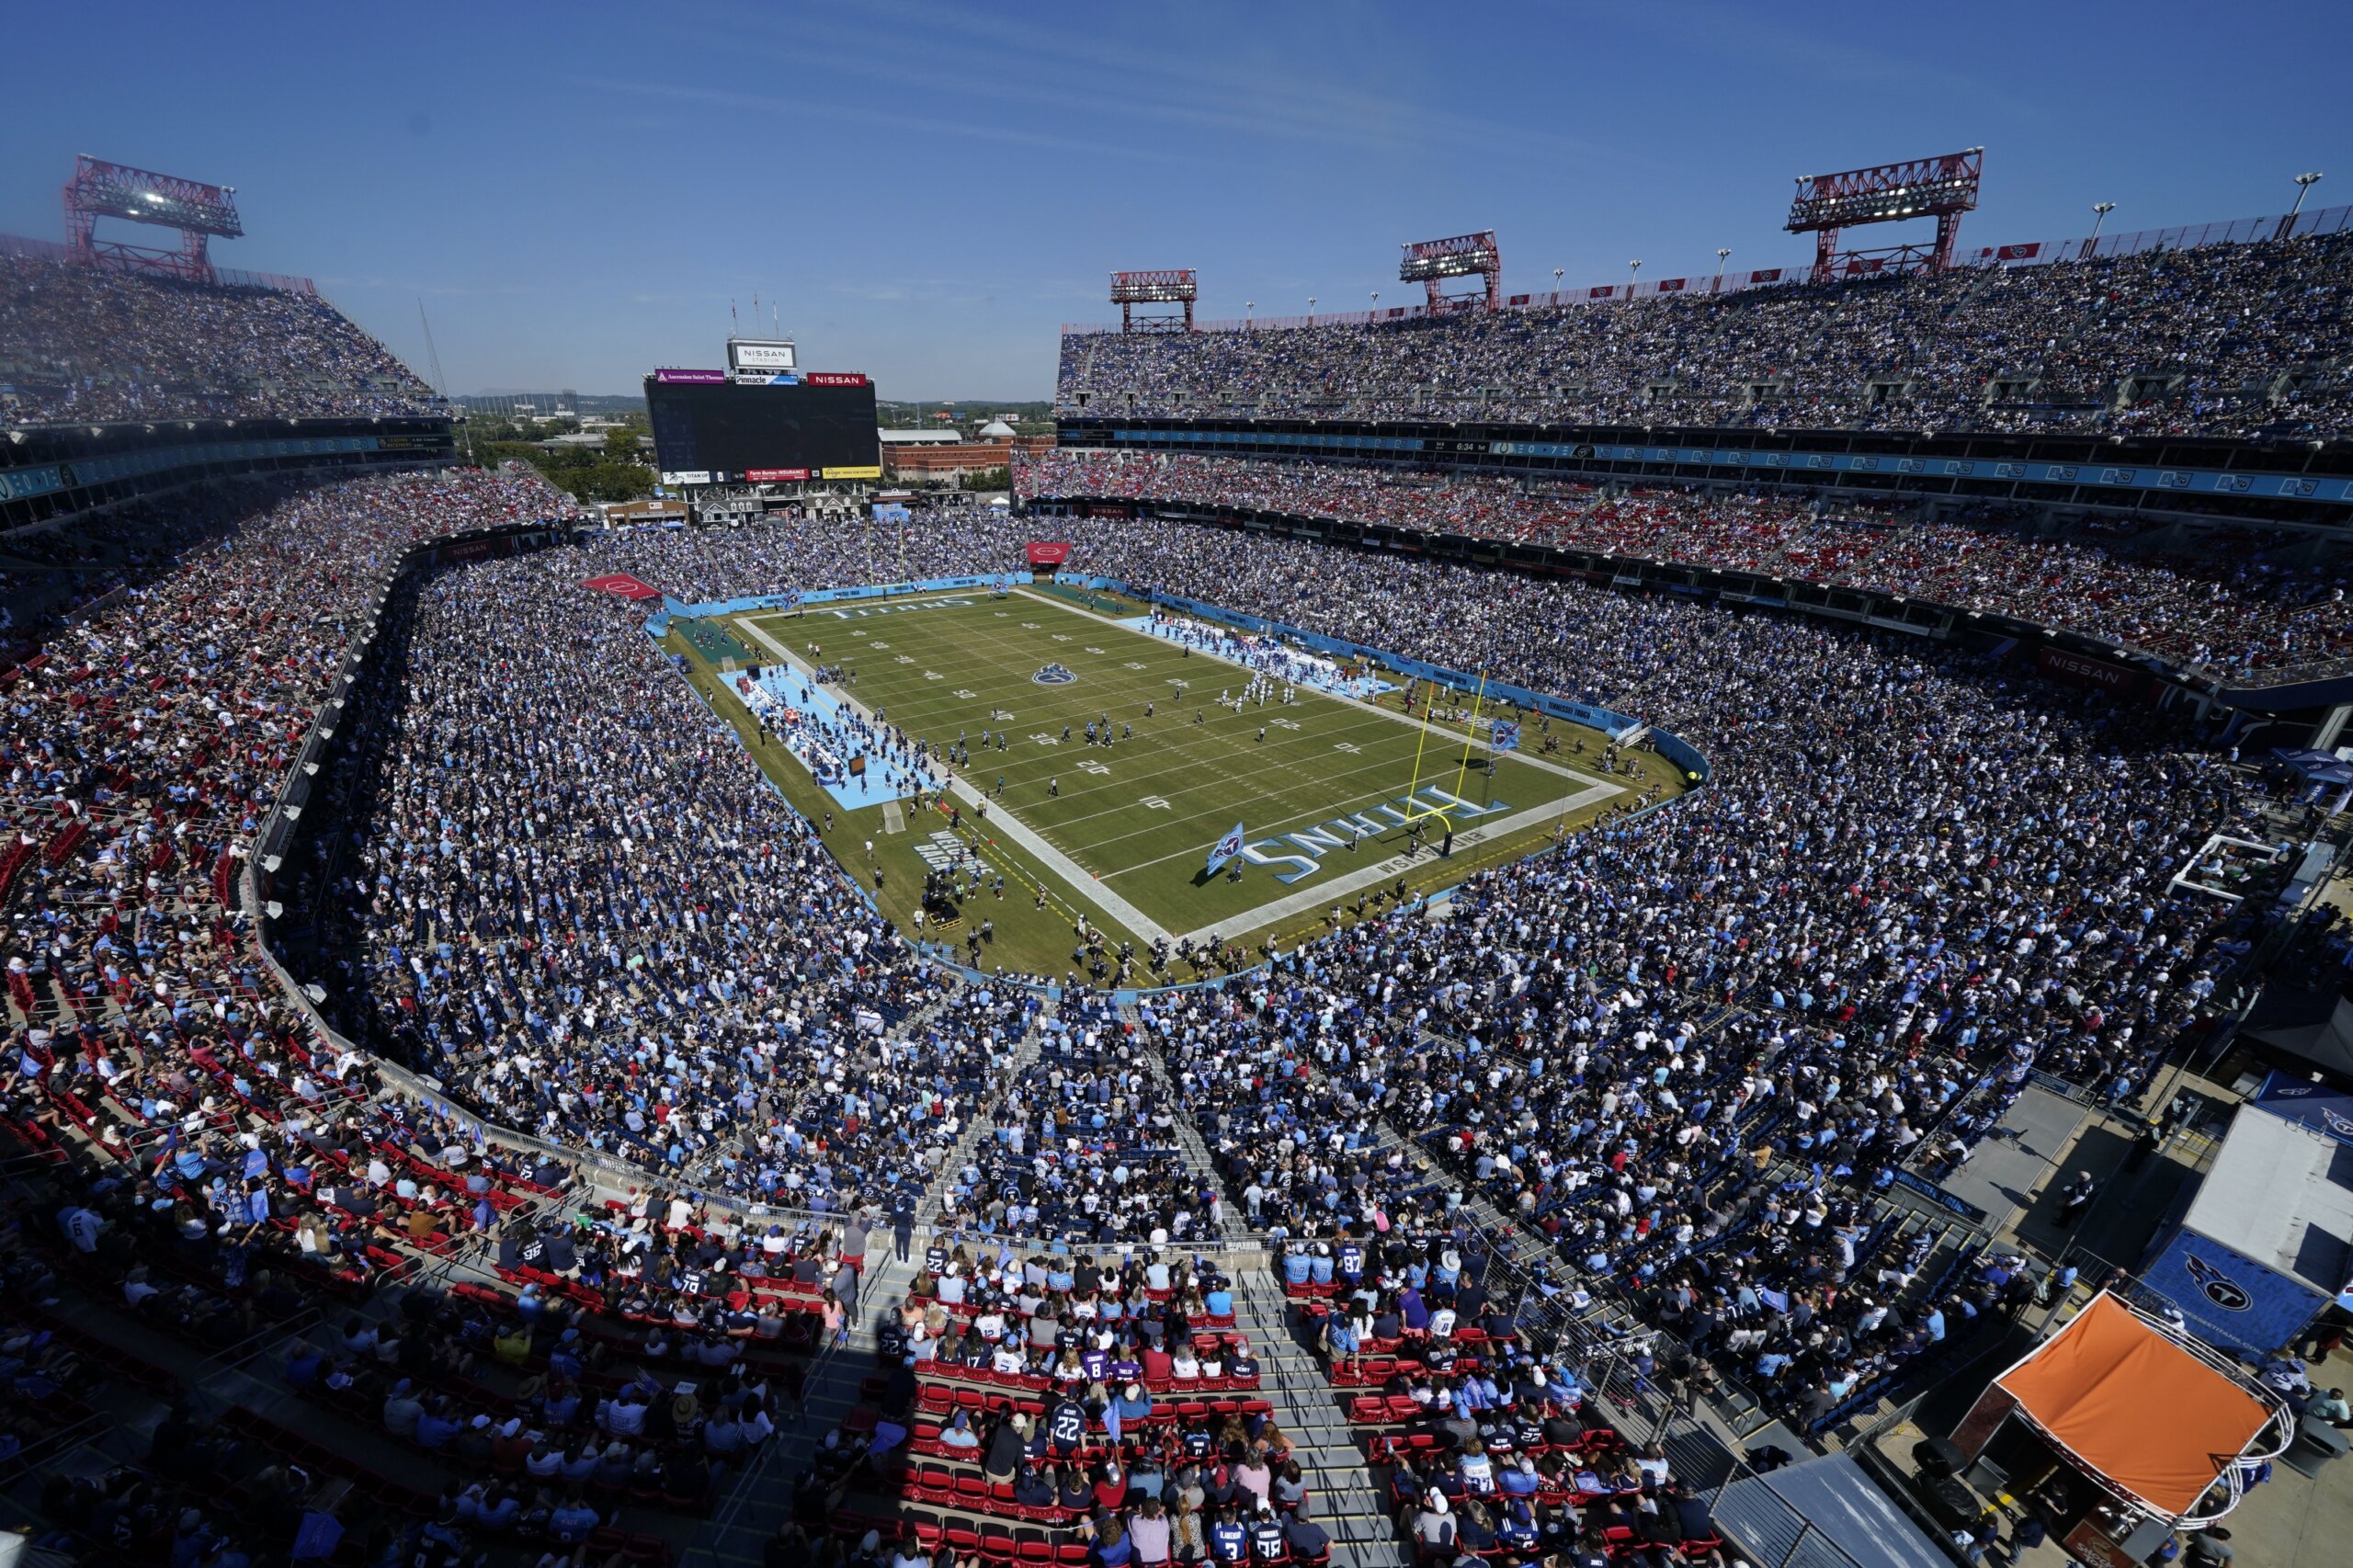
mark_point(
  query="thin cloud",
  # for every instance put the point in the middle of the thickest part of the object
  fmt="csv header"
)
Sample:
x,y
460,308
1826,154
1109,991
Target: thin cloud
x,y
1016,61
839,113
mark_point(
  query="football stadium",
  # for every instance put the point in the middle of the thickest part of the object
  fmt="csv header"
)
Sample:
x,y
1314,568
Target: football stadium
x,y
1675,922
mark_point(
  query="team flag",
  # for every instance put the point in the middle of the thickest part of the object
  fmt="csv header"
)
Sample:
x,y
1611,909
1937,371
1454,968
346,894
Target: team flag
x,y
1505,736
1224,849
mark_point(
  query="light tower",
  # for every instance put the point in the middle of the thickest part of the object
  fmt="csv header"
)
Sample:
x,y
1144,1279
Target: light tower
x,y
1431,262
1942,187
1168,295
2100,210
100,189
2304,183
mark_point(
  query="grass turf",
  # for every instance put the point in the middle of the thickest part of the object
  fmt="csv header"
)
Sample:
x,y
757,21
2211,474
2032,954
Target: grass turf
x,y
1139,817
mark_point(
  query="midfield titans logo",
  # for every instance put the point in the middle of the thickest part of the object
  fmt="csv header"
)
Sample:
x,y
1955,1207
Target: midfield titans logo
x,y
1053,675
2218,1287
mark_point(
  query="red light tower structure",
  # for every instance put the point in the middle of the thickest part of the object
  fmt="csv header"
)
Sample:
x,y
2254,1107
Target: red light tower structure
x,y
1942,187
1431,262
1168,296
100,189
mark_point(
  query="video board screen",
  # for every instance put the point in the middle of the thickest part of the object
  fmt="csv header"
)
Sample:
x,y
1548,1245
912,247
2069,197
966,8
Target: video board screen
x,y
812,427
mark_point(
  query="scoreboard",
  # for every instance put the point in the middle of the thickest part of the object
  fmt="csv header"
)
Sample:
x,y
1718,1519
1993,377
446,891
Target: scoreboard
x,y
710,428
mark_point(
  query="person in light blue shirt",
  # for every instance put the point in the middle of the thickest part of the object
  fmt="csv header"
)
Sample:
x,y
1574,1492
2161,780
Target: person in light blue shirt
x,y
572,1521
1340,1341
436,1427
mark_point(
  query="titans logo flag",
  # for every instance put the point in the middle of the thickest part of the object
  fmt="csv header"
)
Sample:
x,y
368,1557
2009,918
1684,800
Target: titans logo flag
x,y
1505,736
1224,849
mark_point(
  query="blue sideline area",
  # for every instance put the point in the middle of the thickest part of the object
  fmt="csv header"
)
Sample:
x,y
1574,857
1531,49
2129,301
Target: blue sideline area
x,y
828,728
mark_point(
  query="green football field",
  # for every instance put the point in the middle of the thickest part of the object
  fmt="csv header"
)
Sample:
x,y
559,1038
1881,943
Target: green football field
x,y
1325,786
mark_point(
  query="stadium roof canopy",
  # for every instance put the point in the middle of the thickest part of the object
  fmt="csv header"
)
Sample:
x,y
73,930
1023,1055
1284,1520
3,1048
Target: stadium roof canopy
x,y
2311,1028
1824,1513
2283,1195
2135,1407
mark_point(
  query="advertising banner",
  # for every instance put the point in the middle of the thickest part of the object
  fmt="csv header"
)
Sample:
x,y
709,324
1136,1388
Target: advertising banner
x,y
834,378
693,378
855,472
746,354
775,475
623,585
2228,1299
1043,553
2076,669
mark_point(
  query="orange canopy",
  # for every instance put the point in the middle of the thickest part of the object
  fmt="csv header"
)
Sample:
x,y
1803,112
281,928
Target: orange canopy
x,y
2136,1407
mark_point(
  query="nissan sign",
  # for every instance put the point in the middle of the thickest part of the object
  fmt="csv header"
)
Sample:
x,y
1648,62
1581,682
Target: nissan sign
x,y
745,354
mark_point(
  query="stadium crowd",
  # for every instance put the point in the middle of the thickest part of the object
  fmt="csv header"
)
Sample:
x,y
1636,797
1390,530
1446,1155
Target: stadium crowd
x,y
83,344
144,741
2238,601
1668,1062
2163,342
1083,1147
1682,1049
1678,1052
705,996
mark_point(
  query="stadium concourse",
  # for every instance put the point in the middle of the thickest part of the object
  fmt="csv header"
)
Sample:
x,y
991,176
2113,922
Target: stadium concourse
x,y
2203,334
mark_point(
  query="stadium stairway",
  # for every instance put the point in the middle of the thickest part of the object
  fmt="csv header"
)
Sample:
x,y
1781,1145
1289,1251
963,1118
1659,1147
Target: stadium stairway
x,y
1346,1501
839,1380
1025,1052
1639,1408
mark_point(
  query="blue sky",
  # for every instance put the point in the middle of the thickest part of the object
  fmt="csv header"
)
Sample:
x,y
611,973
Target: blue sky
x,y
925,190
